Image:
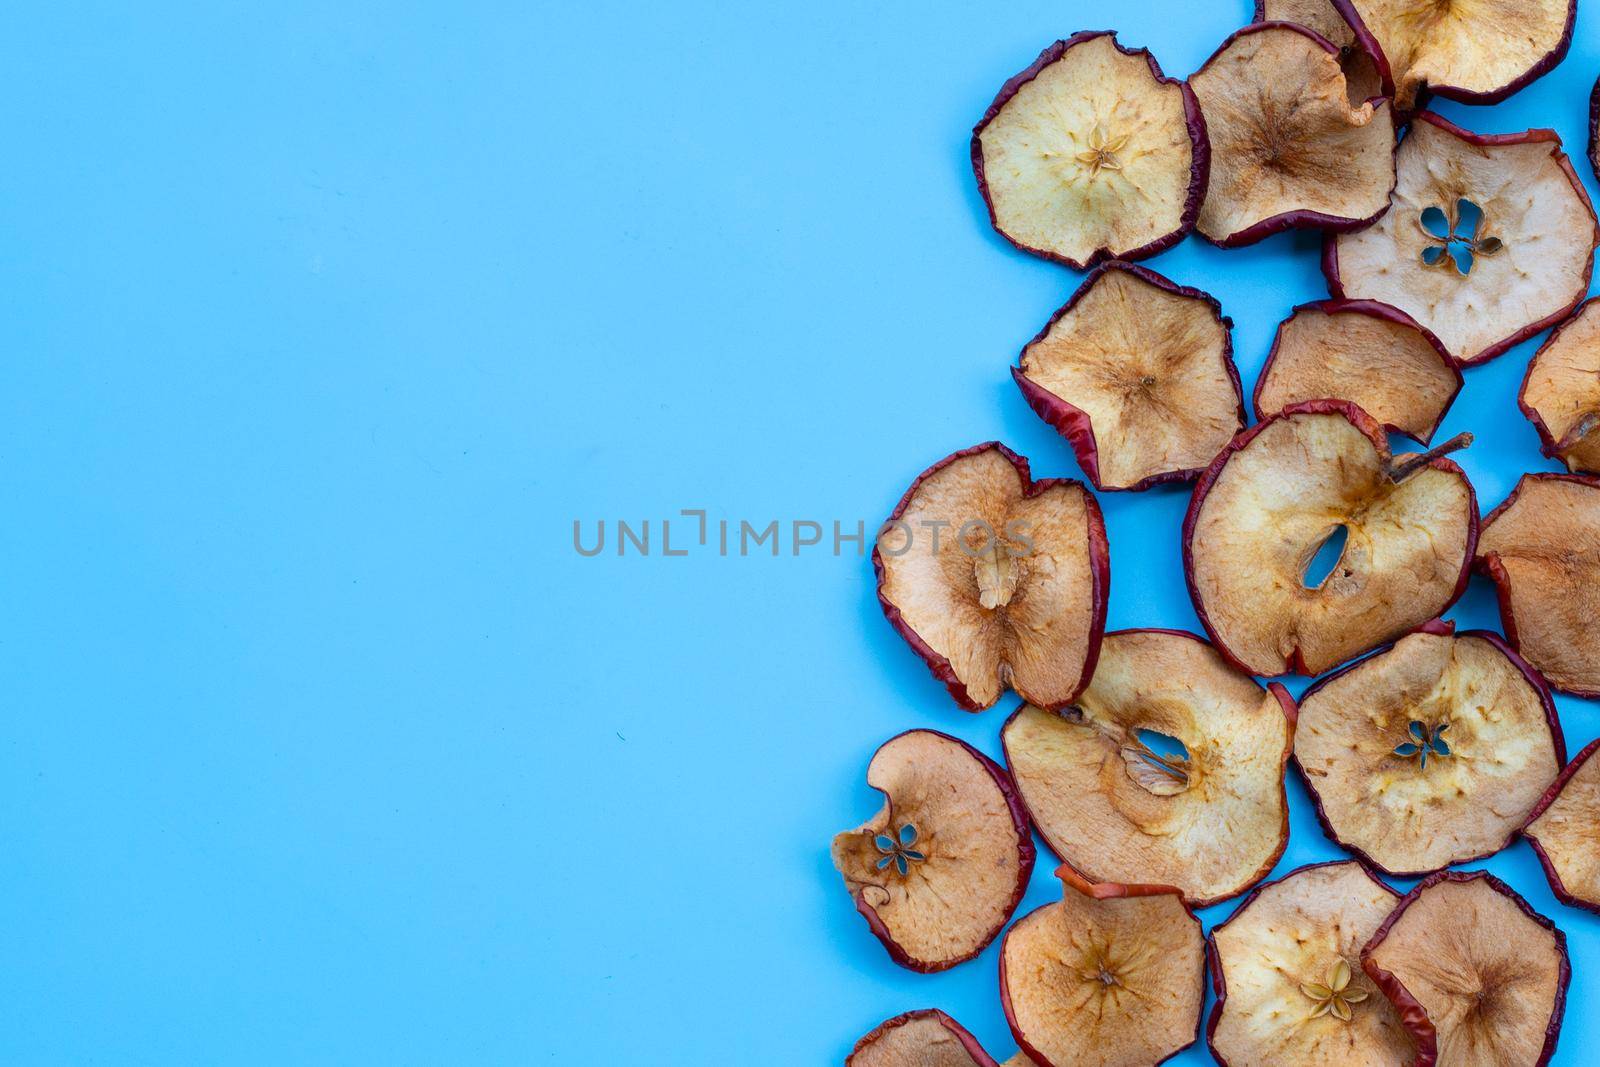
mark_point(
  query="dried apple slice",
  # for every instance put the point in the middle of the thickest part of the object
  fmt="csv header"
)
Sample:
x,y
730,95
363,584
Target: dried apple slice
x,y
1561,391
1092,153
1594,128
1286,967
1371,354
996,580
1138,374
1479,977
1211,820
1287,147
1563,829
926,1038
939,870
1111,975
1361,74
1430,752
1541,547
1489,238
1474,51
1280,490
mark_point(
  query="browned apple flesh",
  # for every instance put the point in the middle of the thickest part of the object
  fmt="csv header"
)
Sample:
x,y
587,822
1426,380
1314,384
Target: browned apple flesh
x,y
1262,511
1110,976
927,1038
1138,374
1561,392
996,580
1430,753
1488,239
940,868
1476,51
1288,149
1371,354
1542,549
1322,18
1565,832
1287,971
1121,809
1479,977
1091,153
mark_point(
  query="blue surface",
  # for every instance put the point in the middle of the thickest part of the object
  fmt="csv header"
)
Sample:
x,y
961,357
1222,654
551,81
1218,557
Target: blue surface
x,y
322,325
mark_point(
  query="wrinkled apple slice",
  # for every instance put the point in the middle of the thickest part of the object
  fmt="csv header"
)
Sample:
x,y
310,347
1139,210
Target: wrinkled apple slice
x,y
1091,153
1371,354
996,580
1361,74
1112,975
1286,967
1287,147
1112,803
1138,374
1594,128
1429,753
1479,977
1541,547
939,870
926,1038
1285,486
1489,238
1475,51
1561,391
1563,829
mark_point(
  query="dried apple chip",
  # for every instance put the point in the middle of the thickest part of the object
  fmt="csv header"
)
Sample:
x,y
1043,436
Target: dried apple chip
x,y
1479,977
1286,486
1110,799
1474,51
1561,391
1489,238
1371,354
1541,547
1563,829
1092,153
1288,149
1321,17
1428,753
1110,976
1286,967
926,1038
940,868
1138,374
996,580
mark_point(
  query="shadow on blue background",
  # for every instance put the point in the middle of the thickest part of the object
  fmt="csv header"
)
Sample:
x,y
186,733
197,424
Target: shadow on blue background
x,y
325,323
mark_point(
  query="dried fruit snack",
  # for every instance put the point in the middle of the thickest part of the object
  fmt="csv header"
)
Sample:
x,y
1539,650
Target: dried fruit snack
x,y
1563,828
1561,391
926,1038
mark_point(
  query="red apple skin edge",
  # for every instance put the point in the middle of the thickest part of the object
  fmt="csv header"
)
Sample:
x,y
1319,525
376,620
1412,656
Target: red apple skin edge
x,y
1375,433
1557,886
959,1032
1290,712
1099,568
1025,855
1412,1015
1301,219
1364,41
1214,958
1491,566
1548,443
1073,423
1373,309
1594,129
1199,165
1330,244
1545,63
1442,629
1099,891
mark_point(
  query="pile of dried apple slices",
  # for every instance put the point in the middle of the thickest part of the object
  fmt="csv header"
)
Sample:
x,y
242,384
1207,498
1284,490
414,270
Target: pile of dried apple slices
x,y
1153,762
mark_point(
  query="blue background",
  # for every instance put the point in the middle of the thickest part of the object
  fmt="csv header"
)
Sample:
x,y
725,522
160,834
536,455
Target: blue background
x,y
323,323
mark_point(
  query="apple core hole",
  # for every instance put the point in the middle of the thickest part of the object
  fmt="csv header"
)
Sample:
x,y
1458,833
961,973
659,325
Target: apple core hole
x,y
1326,558
1164,745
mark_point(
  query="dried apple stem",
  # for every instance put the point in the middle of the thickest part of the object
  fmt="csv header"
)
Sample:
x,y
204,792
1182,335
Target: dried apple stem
x,y
1405,467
